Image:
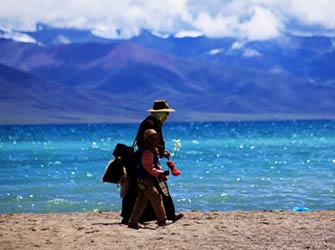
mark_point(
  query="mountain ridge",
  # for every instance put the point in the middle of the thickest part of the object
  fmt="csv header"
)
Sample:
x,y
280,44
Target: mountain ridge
x,y
216,79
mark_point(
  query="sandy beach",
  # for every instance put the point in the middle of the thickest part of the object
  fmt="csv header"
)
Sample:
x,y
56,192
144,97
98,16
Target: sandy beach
x,y
197,230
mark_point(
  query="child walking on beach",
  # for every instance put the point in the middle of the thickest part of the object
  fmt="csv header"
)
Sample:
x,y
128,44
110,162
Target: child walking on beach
x,y
148,170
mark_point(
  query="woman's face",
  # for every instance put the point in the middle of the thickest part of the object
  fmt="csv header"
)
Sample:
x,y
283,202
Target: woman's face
x,y
162,116
165,116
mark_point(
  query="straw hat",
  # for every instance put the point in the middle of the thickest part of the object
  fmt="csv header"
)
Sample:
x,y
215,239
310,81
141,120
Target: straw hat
x,y
161,106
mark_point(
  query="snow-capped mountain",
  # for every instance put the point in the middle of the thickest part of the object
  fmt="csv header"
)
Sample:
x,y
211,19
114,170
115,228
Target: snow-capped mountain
x,y
101,80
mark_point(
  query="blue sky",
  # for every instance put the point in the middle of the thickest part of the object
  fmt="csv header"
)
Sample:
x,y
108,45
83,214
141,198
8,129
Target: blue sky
x,y
245,20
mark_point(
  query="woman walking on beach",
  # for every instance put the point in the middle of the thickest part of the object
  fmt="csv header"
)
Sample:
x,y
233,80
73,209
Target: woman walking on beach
x,y
158,116
148,170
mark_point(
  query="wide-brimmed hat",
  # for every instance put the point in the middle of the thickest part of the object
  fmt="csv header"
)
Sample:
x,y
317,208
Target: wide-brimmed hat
x,y
161,106
148,133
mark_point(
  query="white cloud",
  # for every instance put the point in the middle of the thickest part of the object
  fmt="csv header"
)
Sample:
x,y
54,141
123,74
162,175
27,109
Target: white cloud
x,y
310,12
262,25
188,33
217,26
251,20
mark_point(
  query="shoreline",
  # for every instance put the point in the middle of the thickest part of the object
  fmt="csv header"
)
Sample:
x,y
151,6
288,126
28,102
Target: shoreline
x,y
261,118
197,230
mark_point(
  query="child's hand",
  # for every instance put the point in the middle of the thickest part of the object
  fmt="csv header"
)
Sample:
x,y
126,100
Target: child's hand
x,y
166,172
167,154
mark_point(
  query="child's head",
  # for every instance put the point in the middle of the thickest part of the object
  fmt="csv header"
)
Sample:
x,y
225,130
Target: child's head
x,y
151,137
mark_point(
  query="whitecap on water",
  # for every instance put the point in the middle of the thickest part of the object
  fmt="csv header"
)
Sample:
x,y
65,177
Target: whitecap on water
x,y
59,201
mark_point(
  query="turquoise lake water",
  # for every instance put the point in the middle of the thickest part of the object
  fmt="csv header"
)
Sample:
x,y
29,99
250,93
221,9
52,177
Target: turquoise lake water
x,y
225,166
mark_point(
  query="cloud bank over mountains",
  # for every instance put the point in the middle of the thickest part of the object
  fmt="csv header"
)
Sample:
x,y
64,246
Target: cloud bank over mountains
x,y
252,20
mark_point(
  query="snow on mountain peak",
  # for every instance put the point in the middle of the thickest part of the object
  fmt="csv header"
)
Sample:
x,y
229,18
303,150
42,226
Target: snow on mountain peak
x,y
16,36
